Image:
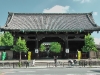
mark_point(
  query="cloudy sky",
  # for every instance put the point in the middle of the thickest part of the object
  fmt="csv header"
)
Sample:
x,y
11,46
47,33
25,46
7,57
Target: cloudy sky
x,y
51,6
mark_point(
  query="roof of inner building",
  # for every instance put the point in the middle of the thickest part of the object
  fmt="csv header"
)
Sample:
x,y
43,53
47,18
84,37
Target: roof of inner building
x,y
50,22
98,46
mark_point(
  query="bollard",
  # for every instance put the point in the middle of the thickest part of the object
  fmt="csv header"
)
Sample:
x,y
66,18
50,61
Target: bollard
x,y
63,64
79,63
90,63
47,64
84,62
13,64
3,64
26,64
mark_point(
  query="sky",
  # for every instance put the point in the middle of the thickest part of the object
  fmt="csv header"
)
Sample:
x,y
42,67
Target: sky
x,y
52,6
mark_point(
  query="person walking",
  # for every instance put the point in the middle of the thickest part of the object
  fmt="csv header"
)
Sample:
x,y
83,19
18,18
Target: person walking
x,y
55,60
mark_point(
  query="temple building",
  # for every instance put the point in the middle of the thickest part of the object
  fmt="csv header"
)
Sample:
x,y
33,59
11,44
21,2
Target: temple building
x,y
68,29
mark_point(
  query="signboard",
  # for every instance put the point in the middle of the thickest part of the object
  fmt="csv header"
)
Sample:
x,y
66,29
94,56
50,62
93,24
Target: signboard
x,y
79,55
29,55
3,55
36,51
67,50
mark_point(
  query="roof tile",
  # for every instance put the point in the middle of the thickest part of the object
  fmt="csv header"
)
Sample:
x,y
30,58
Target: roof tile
x,y
50,21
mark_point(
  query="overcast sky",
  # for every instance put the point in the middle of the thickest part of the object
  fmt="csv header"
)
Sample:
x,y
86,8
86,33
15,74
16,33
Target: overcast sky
x,y
51,6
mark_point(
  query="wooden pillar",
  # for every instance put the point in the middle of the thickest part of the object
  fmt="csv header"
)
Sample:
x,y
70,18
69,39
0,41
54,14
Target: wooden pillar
x,y
14,42
36,48
66,48
36,43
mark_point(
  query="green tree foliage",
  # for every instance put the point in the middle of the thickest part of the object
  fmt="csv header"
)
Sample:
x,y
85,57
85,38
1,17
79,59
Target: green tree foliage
x,y
42,48
20,46
89,44
1,35
55,47
6,39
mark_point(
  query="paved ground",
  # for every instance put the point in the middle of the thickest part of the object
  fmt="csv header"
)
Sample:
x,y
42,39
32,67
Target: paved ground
x,y
51,71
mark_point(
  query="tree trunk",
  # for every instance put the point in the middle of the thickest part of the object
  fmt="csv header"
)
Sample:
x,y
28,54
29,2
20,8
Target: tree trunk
x,y
20,60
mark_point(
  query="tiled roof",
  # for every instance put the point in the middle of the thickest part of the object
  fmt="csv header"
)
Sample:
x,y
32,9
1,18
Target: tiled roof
x,y
98,46
50,21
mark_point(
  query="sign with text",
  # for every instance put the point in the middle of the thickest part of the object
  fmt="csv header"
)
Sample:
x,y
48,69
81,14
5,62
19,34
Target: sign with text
x,y
29,55
67,50
3,55
36,51
79,55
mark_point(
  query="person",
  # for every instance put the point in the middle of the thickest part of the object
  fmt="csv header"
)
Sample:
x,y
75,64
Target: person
x,y
55,60
33,63
75,62
84,63
71,62
90,62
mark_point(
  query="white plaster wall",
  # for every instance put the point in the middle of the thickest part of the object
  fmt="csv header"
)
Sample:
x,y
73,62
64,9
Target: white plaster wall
x,y
9,54
92,54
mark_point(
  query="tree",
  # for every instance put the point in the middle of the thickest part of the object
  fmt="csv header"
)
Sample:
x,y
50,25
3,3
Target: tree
x,y
6,39
0,39
89,44
42,48
55,47
20,47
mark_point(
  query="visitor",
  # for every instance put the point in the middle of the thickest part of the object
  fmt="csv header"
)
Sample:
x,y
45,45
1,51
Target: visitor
x,y
90,62
71,62
55,60
33,63
75,62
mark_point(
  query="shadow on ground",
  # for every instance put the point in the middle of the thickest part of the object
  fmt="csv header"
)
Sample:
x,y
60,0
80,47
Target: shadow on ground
x,y
96,71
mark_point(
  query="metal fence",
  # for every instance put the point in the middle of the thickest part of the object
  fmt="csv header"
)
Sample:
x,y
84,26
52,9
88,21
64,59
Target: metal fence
x,y
27,64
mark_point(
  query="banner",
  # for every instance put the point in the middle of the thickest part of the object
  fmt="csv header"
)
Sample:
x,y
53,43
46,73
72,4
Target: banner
x,y
79,55
3,55
29,55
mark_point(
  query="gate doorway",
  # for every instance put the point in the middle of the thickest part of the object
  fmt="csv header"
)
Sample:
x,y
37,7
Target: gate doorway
x,y
47,54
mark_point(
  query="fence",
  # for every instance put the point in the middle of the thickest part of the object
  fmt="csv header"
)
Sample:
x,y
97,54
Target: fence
x,y
26,64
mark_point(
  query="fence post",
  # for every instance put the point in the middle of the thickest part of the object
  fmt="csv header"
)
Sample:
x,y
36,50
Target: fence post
x,y
3,64
13,64
26,64
47,64
63,64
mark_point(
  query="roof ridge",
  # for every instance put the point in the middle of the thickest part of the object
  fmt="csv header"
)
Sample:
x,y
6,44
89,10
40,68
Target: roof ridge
x,y
49,13
94,24
11,17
